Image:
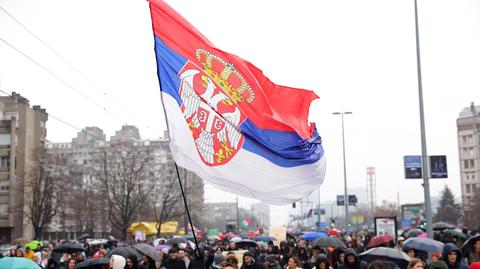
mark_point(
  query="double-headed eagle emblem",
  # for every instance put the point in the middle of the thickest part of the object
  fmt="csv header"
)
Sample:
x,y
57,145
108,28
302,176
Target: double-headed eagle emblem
x,y
210,106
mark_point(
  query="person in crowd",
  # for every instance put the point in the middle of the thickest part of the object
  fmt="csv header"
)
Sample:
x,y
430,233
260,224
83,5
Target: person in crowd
x,y
352,261
29,254
79,257
453,257
339,260
271,262
249,262
322,262
302,255
173,262
379,264
182,255
19,253
231,246
416,263
117,262
474,255
436,256
12,253
314,257
197,259
438,265
71,263
219,261
230,266
148,262
262,255
287,254
132,263
232,259
293,263
412,253
400,241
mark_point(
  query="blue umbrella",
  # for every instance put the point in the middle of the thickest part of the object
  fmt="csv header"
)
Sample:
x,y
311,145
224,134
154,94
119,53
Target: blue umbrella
x,y
264,238
18,263
425,244
313,235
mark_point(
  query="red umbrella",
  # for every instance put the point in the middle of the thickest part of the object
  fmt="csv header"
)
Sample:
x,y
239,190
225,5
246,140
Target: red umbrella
x,y
380,240
334,232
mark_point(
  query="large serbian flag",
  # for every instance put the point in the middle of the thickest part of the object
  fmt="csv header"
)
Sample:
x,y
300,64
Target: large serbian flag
x,y
230,124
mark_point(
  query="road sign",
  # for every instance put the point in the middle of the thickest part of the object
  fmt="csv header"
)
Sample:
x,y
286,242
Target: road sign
x,y
413,167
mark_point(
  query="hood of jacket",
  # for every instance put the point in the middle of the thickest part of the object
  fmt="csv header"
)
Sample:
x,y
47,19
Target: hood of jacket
x,y
117,262
351,251
449,247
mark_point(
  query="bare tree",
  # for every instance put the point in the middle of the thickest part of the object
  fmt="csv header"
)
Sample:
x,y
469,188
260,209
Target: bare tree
x,y
167,199
43,183
127,182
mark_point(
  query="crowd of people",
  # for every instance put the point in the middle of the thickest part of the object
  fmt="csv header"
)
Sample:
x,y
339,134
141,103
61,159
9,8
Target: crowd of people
x,y
295,253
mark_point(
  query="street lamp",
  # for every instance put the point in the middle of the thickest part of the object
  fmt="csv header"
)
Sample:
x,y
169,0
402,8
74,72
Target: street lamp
x,y
345,199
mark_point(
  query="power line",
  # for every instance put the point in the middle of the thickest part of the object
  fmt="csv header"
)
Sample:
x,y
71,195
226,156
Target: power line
x,y
66,61
62,80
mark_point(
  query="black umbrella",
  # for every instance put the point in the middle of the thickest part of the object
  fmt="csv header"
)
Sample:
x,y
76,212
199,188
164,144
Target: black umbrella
x,y
387,254
245,244
329,242
440,226
125,252
93,263
468,245
177,240
69,248
424,244
412,233
148,250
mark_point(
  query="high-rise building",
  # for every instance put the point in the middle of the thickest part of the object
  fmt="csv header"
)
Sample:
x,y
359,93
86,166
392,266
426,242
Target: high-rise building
x,y
468,125
22,133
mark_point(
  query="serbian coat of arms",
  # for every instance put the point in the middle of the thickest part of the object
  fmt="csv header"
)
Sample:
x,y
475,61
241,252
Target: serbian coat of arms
x,y
210,96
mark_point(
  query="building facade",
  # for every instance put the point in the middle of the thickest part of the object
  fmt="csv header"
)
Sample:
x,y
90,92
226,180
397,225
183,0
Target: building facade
x,y
468,126
84,158
22,133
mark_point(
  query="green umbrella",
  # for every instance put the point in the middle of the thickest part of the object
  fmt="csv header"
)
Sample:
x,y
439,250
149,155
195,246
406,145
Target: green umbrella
x,y
456,233
18,263
188,236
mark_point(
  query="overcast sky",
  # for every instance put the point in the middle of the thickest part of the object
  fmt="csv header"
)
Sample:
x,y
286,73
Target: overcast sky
x,y
356,55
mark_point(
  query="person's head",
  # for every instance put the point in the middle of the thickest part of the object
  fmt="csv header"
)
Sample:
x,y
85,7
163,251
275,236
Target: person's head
x,y
322,262
19,252
411,253
102,253
400,241
341,257
350,256
248,258
132,261
293,263
181,254
172,253
378,264
232,259
270,260
436,256
79,256
117,262
439,265
219,261
231,245
452,257
12,252
27,249
451,254
71,263
416,263
230,266
476,245
315,251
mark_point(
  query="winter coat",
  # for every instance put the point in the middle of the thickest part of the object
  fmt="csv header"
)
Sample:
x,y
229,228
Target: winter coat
x,y
357,264
458,264
254,264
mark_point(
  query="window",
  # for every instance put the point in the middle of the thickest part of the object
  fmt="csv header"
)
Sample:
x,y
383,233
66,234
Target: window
x,y
472,164
4,186
3,209
4,161
465,164
468,188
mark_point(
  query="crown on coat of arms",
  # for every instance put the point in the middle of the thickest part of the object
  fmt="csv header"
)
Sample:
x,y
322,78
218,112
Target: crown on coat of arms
x,y
220,71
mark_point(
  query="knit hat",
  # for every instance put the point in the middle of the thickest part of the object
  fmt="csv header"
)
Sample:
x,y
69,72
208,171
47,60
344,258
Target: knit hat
x,y
439,265
218,258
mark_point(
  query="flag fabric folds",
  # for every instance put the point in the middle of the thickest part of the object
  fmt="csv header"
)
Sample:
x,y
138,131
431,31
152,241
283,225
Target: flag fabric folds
x,y
230,124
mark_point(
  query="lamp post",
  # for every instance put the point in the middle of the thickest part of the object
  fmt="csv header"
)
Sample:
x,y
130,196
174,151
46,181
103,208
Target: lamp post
x,y
345,199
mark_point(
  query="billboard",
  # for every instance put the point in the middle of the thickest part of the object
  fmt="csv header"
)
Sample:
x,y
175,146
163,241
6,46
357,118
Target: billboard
x,y
385,225
413,167
438,166
413,213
